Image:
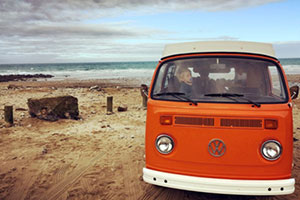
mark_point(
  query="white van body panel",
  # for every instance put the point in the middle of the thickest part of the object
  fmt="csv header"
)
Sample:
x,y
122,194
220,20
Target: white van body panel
x,y
218,185
219,46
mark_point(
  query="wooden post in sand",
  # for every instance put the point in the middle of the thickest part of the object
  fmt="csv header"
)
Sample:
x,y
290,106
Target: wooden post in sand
x,y
109,104
144,93
8,115
145,99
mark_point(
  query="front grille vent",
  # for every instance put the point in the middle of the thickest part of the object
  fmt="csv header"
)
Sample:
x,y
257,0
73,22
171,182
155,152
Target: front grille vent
x,y
241,123
195,121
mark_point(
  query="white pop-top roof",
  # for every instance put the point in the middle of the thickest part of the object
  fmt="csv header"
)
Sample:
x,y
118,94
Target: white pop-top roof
x,y
219,46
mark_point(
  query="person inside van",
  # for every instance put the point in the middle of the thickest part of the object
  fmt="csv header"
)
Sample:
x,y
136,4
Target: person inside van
x,y
240,76
204,84
186,81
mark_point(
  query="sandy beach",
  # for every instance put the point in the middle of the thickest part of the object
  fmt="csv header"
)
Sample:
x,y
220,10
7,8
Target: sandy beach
x,y
99,156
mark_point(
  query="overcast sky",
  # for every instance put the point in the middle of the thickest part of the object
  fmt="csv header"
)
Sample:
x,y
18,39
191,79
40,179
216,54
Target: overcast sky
x,y
43,31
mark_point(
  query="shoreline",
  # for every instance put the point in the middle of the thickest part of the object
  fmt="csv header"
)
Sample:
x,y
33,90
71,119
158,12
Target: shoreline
x,y
75,83
45,80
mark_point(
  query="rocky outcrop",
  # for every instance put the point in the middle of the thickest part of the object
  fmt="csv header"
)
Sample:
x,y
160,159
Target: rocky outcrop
x,y
22,77
54,108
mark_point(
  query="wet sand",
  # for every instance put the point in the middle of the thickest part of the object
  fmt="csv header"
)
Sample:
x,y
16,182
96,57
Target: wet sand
x,y
99,156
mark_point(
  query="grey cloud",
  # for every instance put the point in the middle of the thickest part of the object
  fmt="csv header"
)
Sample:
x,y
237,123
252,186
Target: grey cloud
x,y
72,10
54,30
69,30
172,4
83,50
21,17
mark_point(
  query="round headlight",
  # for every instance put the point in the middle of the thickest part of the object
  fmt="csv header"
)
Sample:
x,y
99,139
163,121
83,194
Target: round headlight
x,y
164,144
271,150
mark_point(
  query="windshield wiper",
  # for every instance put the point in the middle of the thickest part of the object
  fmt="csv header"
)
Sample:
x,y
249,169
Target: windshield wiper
x,y
178,95
224,95
230,95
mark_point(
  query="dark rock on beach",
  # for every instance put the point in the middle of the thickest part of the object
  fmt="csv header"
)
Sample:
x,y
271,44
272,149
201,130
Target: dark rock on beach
x,y
22,77
122,108
54,108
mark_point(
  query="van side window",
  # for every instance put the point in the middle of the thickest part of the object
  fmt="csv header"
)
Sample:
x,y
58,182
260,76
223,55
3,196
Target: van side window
x,y
171,82
158,84
276,82
166,80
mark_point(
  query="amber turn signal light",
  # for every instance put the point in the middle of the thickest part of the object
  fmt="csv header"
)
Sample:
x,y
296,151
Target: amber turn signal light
x,y
271,124
166,120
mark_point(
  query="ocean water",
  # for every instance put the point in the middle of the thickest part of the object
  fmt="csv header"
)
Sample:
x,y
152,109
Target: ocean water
x,y
107,70
84,71
290,65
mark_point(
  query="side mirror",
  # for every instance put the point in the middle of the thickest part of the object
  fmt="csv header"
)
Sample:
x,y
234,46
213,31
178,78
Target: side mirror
x,y
144,90
294,91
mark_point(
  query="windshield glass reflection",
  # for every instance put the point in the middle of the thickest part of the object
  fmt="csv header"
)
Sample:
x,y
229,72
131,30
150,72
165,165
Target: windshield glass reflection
x,y
208,79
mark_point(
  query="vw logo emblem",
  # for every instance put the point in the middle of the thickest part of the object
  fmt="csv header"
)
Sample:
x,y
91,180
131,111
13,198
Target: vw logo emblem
x,y
216,148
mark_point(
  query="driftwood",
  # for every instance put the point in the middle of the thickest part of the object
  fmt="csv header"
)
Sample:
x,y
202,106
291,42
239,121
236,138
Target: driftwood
x,y
54,108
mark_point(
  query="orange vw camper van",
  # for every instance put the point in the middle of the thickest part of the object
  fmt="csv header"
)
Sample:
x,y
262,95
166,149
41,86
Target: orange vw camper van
x,y
219,120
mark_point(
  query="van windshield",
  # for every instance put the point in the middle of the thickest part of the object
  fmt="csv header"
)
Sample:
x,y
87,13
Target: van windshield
x,y
220,79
